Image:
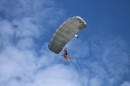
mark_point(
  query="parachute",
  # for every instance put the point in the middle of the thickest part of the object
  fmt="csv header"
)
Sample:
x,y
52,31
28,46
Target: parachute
x,y
65,32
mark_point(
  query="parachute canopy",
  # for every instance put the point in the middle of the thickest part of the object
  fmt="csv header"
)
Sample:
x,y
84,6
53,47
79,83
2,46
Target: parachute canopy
x,y
65,32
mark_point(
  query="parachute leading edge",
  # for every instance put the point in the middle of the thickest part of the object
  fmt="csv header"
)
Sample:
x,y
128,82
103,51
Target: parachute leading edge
x,y
65,32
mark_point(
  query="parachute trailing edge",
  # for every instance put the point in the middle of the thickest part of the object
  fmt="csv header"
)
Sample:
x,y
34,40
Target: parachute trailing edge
x,y
64,33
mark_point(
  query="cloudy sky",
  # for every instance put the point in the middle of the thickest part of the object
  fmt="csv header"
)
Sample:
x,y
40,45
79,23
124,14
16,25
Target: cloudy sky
x,y
100,57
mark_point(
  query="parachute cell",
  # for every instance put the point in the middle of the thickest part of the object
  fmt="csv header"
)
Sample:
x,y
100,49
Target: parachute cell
x,y
65,32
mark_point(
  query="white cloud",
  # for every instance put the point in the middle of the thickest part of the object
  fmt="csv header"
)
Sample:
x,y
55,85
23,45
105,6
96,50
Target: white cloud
x,y
26,44
24,68
26,28
126,83
6,33
15,63
57,74
95,82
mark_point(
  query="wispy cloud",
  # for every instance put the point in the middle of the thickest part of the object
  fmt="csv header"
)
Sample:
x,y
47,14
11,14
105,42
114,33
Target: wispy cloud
x,y
105,62
126,83
20,64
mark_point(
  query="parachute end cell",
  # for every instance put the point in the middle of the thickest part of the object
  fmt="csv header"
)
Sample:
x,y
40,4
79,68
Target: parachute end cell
x,y
81,20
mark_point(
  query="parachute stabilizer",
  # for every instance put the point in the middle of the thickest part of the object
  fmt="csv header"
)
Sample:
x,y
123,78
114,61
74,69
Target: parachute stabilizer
x,y
65,32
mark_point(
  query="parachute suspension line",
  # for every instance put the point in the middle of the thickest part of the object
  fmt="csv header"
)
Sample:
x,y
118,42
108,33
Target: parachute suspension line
x,y
66,47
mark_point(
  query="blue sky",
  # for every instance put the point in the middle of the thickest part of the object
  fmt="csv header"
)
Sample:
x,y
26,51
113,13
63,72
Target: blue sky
x,y
100,57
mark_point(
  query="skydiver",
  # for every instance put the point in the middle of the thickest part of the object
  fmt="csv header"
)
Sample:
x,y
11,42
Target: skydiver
x,y
65,52
76,36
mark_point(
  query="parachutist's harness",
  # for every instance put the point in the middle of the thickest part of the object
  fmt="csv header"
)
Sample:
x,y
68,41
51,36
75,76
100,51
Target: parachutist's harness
x,y
65,52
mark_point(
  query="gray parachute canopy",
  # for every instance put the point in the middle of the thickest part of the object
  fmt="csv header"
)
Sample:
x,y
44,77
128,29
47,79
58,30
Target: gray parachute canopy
x,y
65,32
